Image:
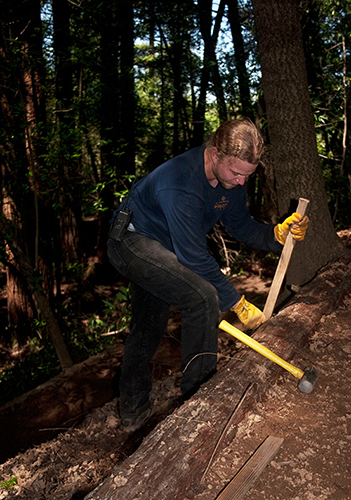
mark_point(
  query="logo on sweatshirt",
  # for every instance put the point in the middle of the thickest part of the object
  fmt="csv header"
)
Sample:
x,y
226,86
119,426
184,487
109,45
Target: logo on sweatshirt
x,y
222,204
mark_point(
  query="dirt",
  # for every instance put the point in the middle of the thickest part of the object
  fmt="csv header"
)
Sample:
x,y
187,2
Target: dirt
x,y
312,463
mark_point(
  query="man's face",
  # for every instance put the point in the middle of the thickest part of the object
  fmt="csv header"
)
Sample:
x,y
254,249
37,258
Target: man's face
x,y
231,172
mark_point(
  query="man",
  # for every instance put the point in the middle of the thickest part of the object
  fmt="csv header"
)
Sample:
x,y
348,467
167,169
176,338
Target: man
x,y
164,254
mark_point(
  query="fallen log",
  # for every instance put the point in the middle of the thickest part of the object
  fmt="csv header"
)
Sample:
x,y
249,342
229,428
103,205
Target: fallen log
x,y
172,460
63,401
56,405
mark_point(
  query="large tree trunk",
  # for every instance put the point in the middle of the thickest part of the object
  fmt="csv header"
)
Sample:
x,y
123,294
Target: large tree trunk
x,y
293,147
19,307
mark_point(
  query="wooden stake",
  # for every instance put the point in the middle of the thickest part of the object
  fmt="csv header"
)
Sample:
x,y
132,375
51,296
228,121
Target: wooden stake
x,y
236,409
282,265
247,475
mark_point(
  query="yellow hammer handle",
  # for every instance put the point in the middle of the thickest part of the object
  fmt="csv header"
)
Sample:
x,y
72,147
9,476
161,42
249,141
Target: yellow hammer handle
x,y
227,327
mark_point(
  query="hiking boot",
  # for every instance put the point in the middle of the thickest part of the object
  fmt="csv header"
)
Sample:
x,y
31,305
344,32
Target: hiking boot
x,y
131,424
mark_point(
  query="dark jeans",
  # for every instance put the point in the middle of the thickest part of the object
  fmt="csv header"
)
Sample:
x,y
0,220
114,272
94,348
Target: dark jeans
x,y
158,281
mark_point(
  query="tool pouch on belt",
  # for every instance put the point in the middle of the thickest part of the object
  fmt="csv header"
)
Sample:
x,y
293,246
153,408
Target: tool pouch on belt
x,y
120,225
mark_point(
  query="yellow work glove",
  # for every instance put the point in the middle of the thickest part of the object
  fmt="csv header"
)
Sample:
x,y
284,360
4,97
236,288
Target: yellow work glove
x,y
296,224
249,315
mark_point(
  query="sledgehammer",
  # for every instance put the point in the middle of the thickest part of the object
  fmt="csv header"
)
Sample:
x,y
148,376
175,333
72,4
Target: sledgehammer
x,y
307,377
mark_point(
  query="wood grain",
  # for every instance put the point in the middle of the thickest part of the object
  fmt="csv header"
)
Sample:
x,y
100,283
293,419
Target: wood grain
x,y
248,474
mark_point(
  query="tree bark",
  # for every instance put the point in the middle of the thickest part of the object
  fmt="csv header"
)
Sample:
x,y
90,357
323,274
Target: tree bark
x,y
293,147
40,299
19,306
172,460
23,112
70,199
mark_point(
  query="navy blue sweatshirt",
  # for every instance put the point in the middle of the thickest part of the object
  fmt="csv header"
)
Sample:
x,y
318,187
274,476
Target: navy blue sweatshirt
x,y
176,205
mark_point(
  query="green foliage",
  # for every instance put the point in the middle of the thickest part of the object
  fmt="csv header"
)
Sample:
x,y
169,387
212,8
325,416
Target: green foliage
x,y
86,334
327,26
92,333
125,184
95,203
39,363
9,483
123,297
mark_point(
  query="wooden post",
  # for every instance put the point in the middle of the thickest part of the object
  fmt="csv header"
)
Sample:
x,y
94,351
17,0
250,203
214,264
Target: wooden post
x,y
282,265
245,478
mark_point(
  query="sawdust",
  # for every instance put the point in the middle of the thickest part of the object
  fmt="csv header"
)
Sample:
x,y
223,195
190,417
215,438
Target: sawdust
x,y
313,461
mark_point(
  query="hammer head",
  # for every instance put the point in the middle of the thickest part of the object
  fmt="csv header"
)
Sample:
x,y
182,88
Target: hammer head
x,y
308,380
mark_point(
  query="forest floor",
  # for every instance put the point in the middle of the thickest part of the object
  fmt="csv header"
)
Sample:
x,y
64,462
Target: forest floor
x,y
312,463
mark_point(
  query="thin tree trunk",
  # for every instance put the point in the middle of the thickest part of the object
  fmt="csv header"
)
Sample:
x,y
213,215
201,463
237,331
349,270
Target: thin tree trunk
x,y
210,59
125,21
240,58
67,164
199,114
344,136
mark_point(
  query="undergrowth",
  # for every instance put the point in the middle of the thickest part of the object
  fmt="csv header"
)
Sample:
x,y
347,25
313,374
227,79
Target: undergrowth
x,y
85,334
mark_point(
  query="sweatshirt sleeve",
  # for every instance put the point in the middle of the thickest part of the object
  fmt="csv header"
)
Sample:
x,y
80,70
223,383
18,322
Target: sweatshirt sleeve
x,y
245,229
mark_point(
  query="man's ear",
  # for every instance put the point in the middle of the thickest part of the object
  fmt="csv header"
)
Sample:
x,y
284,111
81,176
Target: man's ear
x,y
214,154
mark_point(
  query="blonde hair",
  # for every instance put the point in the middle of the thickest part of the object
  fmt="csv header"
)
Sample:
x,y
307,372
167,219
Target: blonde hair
x,y
240,139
